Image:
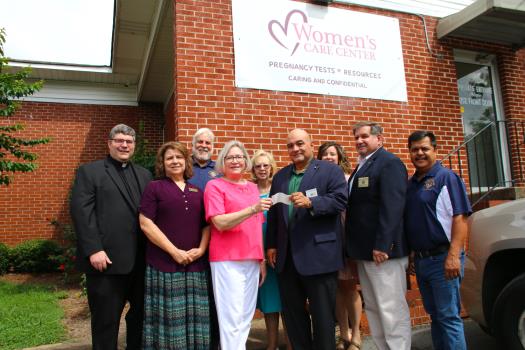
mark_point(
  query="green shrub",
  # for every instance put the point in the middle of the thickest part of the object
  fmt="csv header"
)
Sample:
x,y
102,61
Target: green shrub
x,y
143,155
65,261
35,256
4,259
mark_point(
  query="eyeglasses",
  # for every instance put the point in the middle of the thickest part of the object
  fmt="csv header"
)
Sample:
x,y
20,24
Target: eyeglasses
x,y
261,166
123,141
236,158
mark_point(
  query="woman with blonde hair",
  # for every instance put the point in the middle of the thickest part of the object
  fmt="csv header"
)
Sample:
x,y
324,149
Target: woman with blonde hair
x,y
268,299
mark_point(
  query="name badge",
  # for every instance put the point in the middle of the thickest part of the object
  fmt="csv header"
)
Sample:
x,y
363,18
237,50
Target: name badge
x,y
362,182
191,189
311,193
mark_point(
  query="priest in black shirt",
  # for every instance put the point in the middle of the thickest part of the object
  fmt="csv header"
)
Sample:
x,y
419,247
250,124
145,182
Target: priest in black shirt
x,y
110,245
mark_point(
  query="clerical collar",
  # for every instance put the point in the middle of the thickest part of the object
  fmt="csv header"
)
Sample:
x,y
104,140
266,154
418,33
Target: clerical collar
x,y
117,163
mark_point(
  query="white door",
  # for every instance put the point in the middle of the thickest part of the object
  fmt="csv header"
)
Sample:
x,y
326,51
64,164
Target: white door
x,y
483,122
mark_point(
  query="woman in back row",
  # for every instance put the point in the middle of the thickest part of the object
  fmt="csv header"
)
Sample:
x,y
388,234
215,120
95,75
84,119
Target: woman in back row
x,y
268,299
348,300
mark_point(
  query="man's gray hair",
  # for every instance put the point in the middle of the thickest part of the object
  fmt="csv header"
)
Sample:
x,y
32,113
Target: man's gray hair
x,y
375,128
203,131
219,163
122,129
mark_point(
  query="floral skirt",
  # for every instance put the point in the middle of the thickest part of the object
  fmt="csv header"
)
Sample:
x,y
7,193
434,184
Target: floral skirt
x,y
176,310
349,271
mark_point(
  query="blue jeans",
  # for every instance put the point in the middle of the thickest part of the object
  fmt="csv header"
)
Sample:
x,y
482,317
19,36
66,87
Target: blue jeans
x,y
442,302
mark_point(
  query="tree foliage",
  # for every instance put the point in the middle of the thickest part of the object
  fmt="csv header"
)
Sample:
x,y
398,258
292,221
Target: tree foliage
x,y
14,154
144,156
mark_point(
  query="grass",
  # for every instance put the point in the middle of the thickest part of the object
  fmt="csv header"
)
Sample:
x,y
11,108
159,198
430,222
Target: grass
x,y
29,316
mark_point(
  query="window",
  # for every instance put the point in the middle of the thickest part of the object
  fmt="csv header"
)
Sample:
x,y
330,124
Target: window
x,y
76,32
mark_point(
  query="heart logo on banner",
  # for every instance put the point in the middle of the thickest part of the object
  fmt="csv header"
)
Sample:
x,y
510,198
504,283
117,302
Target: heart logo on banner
x,y
279,32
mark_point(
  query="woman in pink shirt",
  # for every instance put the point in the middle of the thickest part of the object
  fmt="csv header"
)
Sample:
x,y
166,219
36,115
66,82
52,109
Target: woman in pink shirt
x,y
234,210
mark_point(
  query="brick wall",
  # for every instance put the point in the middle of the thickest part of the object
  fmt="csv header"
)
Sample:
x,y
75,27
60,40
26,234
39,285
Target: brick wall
x,y
78,135
206,95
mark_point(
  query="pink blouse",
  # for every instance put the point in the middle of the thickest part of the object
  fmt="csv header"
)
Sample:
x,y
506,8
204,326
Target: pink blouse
x,y
244,241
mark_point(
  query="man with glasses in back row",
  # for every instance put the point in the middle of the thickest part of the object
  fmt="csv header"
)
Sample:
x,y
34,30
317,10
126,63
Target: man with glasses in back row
x,y
110,245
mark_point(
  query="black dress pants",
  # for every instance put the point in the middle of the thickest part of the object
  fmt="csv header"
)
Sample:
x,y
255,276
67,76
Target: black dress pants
x,y
107,296
320,291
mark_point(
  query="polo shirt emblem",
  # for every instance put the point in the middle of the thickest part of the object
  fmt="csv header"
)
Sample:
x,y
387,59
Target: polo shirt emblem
x,y
429,183
212,173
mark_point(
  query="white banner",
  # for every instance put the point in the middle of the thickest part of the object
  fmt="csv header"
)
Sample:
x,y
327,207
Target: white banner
x,y
292,46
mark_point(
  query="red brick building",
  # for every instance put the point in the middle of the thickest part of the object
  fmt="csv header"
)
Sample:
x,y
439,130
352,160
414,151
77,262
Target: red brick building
x,y
173,68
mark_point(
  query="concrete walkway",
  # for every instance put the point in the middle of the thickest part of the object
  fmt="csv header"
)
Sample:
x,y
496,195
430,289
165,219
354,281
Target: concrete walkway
x,y
421,339
256,340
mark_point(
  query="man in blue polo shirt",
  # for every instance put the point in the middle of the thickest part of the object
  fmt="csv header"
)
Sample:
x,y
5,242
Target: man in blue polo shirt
x,y
436,214
203,166
204,171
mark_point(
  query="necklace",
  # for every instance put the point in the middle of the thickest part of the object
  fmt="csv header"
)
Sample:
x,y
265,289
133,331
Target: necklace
x,y
265,189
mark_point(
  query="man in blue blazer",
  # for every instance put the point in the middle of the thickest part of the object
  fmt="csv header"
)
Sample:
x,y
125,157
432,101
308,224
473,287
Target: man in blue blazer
x,y
304,243
375,237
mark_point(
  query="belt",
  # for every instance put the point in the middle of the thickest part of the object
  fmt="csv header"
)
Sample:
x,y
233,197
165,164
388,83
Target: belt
x,y
440,249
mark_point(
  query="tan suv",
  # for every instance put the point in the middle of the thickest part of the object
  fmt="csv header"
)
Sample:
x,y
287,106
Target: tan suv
x,y
493,289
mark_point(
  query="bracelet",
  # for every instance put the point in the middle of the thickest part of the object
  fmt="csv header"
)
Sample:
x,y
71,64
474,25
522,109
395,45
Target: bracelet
x,y
252,208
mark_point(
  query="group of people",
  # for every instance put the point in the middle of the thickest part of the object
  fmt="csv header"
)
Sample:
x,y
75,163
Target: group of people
x,y
196,250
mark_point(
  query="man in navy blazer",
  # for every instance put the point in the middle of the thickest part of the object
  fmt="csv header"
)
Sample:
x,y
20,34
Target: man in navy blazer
x,y
375,237
304,243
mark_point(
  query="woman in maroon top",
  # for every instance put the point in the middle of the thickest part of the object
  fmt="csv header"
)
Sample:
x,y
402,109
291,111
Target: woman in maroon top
x,y
176,300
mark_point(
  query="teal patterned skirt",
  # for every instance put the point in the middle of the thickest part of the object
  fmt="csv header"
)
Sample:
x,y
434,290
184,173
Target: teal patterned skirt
x,y
176,310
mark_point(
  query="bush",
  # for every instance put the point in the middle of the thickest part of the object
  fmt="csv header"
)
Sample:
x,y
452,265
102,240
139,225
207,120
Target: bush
x,y
4,259
35,256
143,155
65,261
